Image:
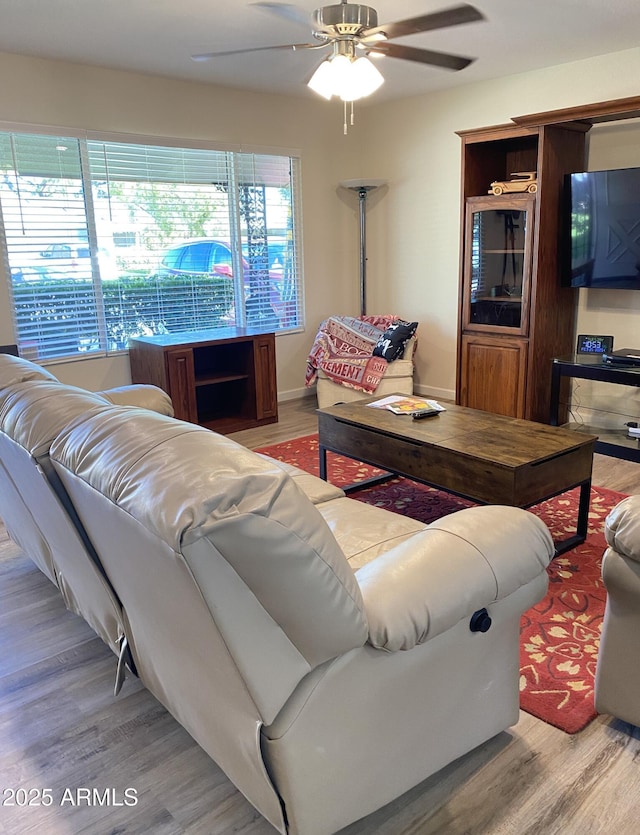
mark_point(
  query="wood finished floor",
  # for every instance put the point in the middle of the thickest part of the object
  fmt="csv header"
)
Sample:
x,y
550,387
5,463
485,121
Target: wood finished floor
x,y
61,728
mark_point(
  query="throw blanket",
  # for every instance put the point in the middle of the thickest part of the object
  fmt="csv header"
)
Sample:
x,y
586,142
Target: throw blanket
x,y
343,349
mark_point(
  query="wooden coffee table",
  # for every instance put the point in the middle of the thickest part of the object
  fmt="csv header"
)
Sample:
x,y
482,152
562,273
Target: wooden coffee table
x,y
490,459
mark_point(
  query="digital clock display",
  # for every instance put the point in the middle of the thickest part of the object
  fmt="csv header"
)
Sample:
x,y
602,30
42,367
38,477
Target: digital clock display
x,y
588,344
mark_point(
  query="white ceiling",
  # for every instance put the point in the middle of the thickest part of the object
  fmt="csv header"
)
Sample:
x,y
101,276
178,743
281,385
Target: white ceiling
x,y
159,36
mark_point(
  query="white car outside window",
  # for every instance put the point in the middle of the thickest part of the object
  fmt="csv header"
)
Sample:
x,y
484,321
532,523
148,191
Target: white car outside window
x,y
74,259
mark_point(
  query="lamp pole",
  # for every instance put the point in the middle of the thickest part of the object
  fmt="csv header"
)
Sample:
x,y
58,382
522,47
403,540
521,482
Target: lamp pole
x,y
363,187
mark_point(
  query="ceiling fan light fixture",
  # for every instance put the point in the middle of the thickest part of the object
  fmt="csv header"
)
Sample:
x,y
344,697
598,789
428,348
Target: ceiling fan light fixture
x,y
321,81
346,77
352,30
362,80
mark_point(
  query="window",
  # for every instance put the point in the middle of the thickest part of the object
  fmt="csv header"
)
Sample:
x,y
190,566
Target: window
x,y
109,240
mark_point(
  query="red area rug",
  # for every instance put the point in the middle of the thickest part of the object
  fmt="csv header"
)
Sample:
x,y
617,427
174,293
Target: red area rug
x,y
560,635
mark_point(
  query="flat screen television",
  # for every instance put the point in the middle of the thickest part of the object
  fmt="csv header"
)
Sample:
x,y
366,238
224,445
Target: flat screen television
x,y
602,229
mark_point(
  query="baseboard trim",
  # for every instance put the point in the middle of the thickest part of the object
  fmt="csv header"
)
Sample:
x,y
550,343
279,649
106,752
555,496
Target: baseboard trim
x,y
436,393
296,394
423,391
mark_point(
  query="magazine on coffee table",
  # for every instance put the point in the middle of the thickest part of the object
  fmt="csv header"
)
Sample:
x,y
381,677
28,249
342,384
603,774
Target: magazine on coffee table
x,y
401,405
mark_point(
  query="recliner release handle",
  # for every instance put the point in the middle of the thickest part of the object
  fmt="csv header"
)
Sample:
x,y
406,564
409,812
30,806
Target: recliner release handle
x,y
480,621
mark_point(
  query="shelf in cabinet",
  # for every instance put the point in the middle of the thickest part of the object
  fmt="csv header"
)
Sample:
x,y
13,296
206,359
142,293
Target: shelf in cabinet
x,y
214,379
501,299
614,442
226,424
505,251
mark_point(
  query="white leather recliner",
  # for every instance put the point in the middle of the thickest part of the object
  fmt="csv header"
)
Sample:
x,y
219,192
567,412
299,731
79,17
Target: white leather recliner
x,y
617,686
323,651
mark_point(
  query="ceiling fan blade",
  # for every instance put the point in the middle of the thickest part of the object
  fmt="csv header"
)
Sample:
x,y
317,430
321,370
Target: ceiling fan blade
x,y
423,56
207,56
425,23
287,11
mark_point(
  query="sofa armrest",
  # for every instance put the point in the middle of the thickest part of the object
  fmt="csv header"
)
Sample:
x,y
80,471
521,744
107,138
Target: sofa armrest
x,y
443,574
144,396
622,528
315,489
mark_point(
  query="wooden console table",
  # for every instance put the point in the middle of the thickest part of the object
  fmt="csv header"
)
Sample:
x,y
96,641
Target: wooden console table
x,y
223,379
614,442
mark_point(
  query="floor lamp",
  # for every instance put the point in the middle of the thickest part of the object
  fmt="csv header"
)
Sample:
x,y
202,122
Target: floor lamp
x,y
363,187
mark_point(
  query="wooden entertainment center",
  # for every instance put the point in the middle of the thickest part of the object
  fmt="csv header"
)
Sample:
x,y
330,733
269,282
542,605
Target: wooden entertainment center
x,y
515,316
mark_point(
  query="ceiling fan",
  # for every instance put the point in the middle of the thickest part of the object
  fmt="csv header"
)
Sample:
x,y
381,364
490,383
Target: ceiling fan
x,y
352,31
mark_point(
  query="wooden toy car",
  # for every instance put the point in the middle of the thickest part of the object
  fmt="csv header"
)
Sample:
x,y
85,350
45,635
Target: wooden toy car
x,y
525,181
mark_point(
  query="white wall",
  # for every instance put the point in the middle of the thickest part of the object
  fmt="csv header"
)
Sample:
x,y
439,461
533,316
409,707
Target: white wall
x,y
413,224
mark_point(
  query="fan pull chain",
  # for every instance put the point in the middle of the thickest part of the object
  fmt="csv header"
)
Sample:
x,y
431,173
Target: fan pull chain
x,y
345,127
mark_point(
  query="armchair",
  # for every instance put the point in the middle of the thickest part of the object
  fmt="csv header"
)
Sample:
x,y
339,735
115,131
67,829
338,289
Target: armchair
x,y
617,685
342,360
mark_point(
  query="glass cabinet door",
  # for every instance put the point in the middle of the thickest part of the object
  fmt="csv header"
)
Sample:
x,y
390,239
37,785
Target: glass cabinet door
x,y
498,234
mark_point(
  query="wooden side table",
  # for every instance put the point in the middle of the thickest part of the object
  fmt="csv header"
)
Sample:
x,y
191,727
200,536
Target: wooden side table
x,y
223,379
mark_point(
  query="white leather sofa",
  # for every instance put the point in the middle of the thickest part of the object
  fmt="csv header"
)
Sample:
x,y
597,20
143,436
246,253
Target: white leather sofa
x,y
617,686
321,650
34,407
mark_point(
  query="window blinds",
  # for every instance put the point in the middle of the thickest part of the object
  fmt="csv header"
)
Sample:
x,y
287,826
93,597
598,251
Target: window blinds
x,y
109,240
